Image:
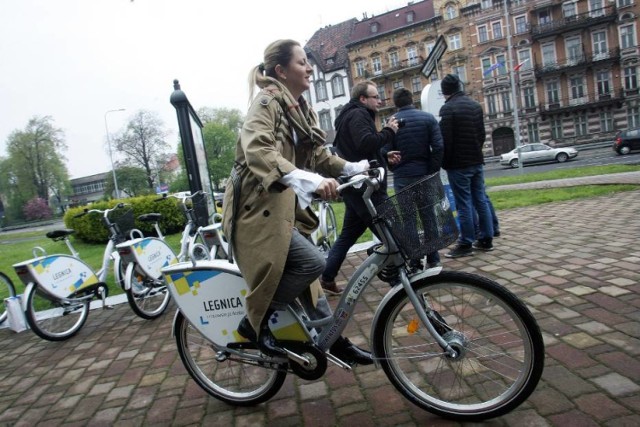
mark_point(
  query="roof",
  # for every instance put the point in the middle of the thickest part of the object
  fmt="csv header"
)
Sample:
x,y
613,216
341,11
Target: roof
x,y
392,21
327,45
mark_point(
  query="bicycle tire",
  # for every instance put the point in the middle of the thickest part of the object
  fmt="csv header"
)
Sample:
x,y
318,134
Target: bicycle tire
x,y
226,378
501,347
7,291
147,297
330,224
52,319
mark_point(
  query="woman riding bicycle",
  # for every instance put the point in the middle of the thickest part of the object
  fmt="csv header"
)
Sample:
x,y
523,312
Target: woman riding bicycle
x,y
279,156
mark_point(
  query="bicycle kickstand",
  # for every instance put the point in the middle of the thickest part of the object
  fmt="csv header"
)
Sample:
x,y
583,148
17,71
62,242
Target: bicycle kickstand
x,y
103,297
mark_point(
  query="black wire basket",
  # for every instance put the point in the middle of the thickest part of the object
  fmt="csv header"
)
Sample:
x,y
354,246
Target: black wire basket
x,y
201,210
125,222
420,218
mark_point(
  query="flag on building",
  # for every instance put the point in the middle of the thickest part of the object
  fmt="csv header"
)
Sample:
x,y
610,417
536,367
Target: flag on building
x,y
493,67
517,67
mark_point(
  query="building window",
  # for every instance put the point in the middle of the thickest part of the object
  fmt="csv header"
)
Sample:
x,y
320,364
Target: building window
x,y
483,34
524,58
544,17
602,83
580,123
627,37
630,78
377,65
374,28
574,50
397,84
529,97
553,94
412,55
548,54
486,64
381,93
410,17
428,47
321,91
596,8
506,101
633,117
325,120
394,59
577,90
502,69
569,10
623,3
491,104
337,86
497,29
606,121
455,42
360,65
556,128
486,4
451,12
532,132
460,71
600,50
416,84
521,24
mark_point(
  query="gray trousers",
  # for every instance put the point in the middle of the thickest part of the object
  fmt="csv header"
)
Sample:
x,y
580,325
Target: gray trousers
x,y
304,264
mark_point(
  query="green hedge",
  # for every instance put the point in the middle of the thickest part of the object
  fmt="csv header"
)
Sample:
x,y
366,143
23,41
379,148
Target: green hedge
x,y
90,228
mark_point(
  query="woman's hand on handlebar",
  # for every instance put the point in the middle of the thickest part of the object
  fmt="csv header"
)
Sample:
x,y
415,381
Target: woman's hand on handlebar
x,y
327,190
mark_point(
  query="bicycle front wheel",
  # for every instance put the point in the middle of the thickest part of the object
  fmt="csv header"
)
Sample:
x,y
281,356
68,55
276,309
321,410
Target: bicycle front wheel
x,y
330,224
147,297
54,320
500,352
7,290
223,375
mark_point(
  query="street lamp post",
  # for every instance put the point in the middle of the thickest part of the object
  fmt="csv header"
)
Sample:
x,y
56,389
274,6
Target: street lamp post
x,y
113,169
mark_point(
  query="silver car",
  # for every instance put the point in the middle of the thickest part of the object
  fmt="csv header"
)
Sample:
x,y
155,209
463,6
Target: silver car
x,y
533,153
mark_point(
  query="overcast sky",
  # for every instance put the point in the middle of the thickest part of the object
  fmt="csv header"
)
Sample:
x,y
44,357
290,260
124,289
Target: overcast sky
x,y
74,60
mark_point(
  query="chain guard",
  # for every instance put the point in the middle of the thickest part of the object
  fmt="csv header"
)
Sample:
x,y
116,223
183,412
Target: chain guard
x,y
317,360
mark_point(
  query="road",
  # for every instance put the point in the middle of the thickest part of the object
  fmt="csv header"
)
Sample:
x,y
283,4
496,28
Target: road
x,y
592,157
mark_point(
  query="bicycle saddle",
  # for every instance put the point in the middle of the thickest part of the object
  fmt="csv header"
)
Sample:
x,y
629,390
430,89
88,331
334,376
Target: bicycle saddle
x,y
150,217
60,234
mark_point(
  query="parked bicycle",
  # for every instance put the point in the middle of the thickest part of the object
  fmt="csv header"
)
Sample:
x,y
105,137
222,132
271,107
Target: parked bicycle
x,y
7,290
327,232
59,288
453,343
144,257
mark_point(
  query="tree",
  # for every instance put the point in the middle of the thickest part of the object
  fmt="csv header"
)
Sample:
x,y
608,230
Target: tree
x,y
219,144
143,145
131,180
231,118
37,208
34,166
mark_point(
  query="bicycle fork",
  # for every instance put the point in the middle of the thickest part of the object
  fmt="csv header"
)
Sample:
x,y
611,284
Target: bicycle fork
x,y
426,315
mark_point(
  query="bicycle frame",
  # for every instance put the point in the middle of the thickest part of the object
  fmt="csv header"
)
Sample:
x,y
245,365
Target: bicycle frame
x,y
205,291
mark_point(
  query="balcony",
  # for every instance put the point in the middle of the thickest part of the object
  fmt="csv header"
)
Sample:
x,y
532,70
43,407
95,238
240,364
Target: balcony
x,y
399,68
578,21
581,61
591,100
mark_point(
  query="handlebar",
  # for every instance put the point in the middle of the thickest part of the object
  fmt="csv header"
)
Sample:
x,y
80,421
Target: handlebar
x,y
182,197
105,212
371,177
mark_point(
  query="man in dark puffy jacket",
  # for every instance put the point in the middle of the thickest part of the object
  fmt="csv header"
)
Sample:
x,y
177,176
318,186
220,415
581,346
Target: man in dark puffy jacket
x,y
357,139
462,126
419,142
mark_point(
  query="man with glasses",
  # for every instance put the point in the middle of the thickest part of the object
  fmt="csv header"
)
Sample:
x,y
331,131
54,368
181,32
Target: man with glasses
x,y
357,139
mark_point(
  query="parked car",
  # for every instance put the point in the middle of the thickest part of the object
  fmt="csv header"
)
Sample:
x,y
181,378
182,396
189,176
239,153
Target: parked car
x,y
533,153
626,141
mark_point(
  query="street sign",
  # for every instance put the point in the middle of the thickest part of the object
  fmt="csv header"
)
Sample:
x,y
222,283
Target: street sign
x,y
439,48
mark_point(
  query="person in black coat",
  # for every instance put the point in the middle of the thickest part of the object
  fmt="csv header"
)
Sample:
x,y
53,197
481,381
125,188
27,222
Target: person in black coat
x,y
357,139
462,126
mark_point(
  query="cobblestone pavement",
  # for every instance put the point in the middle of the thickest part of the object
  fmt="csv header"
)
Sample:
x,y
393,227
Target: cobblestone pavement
x,y
576,265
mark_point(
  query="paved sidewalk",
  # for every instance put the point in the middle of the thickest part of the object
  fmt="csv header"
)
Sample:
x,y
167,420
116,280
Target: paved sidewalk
x,y
576,264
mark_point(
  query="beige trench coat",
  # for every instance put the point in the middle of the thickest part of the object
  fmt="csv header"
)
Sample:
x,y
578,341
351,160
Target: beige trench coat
x,y
267,210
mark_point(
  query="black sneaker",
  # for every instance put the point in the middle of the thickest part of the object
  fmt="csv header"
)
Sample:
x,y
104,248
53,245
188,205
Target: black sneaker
x,y
483,245
460,251
496,233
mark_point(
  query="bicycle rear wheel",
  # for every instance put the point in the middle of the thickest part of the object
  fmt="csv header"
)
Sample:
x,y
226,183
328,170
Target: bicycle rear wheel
x,y
147,297
223,375
7,290
500,349
52,319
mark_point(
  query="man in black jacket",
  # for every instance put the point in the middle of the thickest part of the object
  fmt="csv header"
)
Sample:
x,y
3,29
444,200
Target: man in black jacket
x,y
462,126
357,139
